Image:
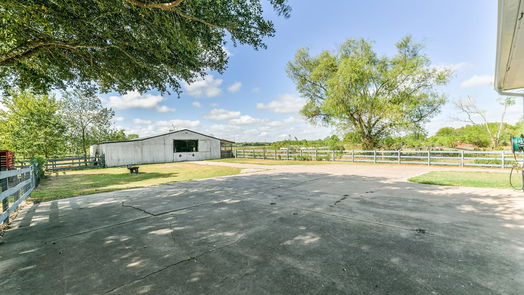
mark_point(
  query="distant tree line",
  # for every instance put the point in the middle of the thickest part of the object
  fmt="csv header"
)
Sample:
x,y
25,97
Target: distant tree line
x,y
35,125
474,136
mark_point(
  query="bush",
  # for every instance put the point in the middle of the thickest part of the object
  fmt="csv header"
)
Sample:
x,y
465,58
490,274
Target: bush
x,y
39,161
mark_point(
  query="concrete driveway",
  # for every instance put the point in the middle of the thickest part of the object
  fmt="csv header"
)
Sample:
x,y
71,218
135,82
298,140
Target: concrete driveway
x,y
329,229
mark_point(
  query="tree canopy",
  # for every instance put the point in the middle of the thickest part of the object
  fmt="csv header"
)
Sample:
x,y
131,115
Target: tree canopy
x,y
86,120
31,124
41,125
123,45
369,95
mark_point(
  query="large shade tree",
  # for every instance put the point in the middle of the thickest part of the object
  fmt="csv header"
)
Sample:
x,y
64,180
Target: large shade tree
x,y
371,96
123,45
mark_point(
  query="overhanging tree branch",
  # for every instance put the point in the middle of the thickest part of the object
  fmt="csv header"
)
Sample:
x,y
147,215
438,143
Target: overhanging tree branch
x,y
27,51
165,5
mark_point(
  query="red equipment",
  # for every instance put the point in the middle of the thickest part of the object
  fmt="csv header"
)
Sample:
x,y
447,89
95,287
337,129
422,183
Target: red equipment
x,y
7,160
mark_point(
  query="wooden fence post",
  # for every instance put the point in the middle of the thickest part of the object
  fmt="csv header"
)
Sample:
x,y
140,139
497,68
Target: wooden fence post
x,y
5,203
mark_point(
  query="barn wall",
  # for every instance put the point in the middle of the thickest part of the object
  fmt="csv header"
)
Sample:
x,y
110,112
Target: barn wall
x,y
157,150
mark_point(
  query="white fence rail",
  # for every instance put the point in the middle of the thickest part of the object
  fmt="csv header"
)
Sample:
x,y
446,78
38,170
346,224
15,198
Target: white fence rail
x,y
16,186
499,159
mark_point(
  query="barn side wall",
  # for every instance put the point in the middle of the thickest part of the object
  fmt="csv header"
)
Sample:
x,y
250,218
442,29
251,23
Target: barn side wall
x,y
157,150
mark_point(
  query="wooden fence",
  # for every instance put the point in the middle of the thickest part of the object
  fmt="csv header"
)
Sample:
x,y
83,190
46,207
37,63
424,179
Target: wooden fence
x,y
72,163
500,159
16,186
67,163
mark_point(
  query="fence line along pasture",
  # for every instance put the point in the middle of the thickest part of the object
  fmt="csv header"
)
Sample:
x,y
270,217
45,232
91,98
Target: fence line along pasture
x,y
16,186
500,159
73,163
69,163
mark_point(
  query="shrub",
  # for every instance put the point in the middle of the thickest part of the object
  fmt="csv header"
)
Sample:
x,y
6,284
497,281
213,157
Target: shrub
x,y
39,161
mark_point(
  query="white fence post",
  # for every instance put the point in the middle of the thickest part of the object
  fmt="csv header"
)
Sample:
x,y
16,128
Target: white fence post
x,y
429,158
264,151
503,164
398,157
333,155
461,158
287,152
353,155
375,157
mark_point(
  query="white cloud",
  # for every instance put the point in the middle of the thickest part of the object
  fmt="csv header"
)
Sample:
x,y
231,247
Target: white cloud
x,y
196,104
135,100
234,118
477,80
178,124
286,103
245,120
115,119
234,87
207,87
222,115
267,130
454,67
147,127
165,109
142,122
287,121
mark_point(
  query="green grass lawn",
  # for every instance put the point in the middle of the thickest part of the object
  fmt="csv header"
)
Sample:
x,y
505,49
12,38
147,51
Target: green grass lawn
x,y
82,182
469,178
274,162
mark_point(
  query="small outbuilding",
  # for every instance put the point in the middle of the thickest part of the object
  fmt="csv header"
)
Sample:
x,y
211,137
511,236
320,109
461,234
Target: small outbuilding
x,y
175,146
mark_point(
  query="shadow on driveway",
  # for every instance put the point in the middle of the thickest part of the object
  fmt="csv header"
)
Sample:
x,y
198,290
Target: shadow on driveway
x,y
270,233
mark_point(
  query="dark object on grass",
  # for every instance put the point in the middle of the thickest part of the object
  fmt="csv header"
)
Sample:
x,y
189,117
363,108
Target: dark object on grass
x,y
420,230
133,169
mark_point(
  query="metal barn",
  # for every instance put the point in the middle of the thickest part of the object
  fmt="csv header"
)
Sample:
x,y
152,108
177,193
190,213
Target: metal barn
x,y
175,146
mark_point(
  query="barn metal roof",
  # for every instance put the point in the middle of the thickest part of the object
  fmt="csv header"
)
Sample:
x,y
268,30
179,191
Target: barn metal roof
x,y
509,71
163,134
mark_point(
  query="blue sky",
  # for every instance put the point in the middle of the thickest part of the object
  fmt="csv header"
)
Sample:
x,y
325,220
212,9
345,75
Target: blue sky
x,y
254,100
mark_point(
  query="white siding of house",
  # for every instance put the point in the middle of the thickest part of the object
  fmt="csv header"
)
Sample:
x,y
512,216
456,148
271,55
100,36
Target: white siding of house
x,y
157,150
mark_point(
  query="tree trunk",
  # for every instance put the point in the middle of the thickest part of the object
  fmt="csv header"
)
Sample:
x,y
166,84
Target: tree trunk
x,y
368,143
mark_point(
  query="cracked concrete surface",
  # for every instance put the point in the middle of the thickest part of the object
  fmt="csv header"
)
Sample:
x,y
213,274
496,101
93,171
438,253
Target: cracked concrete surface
x,y
328,229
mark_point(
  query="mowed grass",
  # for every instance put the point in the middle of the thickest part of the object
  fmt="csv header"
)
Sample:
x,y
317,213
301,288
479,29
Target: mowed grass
x,y
469,178
274,162
82,182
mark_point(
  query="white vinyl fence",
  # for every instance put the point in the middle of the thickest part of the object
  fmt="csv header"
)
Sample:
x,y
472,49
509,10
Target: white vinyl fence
x,y
15,187
500,159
